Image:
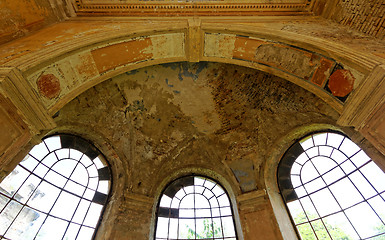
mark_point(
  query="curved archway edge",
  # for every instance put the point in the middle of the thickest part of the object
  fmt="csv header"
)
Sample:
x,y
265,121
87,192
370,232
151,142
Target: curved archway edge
x,y
45,71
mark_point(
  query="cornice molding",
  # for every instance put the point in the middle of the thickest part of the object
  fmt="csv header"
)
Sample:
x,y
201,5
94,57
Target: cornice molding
x,y
189,8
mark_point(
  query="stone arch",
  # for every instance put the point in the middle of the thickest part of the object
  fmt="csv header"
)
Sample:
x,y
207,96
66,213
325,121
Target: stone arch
x,y
62,70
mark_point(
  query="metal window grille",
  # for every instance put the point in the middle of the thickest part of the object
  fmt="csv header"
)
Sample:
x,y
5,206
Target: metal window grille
x,y
332,189
57,192
195,207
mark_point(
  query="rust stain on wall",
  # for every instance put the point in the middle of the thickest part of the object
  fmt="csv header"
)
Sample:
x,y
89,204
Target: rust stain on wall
x,y
49,86
119,54
341,82
322,73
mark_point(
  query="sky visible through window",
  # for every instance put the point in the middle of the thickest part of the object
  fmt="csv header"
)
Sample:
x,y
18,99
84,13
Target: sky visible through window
x,y
340,191
199,210
51,194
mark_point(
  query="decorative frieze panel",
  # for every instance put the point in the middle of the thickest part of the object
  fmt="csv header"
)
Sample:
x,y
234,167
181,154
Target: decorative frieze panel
x,y
191,7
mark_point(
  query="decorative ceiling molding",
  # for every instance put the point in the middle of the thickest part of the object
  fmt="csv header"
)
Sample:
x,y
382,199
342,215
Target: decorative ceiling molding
x,y
189,8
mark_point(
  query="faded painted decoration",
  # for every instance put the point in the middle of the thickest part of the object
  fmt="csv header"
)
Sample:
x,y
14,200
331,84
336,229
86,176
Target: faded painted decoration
x,y
332,189
58,191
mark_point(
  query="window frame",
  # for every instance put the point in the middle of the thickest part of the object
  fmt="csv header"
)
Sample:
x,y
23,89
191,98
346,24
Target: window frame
x,y
178,179
103,173
286,189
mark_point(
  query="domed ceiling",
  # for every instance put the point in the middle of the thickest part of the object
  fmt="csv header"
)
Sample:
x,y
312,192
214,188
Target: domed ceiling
x,y
214,115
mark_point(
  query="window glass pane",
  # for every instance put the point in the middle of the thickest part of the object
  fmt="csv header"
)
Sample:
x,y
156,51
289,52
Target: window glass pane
x,y
65,167
362,184
324,202
307,143
374,175
295,180
50,160
320,139
29,163
26,224
201,201
173,230
72,231
93,215
339,227
81,211
46,232
55,178
189,189
13,181
349,148
323,164
325,151
80,175
314,185
27,188
345,193
165,201
44,197
63,153
300,191
312,152
378,204
65,206
333,175
217,190
364,220
186,228
203,213
296,212
217,225
338,156
360,159
8,214
199,181
98,163
334,140
187,202
39,151
75,188
306,232
186,213
308,206
296,168
86,233
348,167
308,172
75,154
53,143
320,229
228,227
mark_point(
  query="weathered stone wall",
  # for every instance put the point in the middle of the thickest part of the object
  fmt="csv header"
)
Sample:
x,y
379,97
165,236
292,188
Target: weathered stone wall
x,y
219,117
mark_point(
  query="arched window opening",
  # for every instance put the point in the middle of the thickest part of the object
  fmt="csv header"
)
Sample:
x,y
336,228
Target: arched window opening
x,y
195,207
58,191
332,189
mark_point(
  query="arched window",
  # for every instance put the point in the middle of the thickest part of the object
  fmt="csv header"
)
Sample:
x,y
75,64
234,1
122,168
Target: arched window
x,y
57,192
194,207
332,189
